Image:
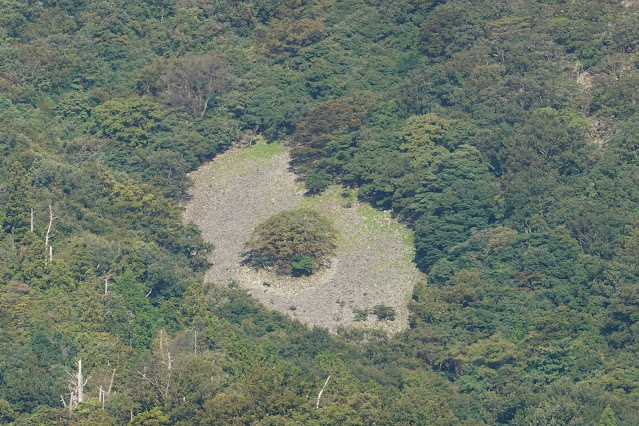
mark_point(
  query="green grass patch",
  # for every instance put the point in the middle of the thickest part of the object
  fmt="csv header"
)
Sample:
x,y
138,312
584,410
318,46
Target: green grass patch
x,y
226,165
370,219
380,221
260,151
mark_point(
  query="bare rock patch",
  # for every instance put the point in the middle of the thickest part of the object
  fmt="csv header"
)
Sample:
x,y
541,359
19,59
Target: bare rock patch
x,y
372,265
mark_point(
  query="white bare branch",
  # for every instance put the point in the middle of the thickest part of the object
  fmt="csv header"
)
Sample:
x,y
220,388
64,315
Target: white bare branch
x,y
319,395
111,383
48,252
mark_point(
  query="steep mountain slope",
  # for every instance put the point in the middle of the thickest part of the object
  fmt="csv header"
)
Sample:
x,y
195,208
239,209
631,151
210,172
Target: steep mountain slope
x,y
503,134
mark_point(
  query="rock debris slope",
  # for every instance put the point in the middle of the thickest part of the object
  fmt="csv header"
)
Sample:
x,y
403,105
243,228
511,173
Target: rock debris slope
x,y
372,266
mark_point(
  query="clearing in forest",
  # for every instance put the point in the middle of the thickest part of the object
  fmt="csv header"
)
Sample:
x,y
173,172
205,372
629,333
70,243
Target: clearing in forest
x,y
372,266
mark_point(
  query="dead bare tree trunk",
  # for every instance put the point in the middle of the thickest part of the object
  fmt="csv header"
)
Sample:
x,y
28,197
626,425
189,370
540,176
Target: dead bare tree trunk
x,y
160,376
111,383
81,382
76,387
48,254
32,226
107,276
46,239
319,395
101,396
168,378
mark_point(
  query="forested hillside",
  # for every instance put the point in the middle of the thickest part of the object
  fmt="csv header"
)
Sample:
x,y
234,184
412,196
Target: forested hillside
x,y
503,133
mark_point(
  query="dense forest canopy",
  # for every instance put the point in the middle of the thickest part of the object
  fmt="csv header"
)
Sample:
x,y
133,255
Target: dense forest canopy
x,y
504,134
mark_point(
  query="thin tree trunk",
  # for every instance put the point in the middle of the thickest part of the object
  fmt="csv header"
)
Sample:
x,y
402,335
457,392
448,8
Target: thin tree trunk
x,y
111,383
46,239
80,382
102,397
77,382
319,395
48,253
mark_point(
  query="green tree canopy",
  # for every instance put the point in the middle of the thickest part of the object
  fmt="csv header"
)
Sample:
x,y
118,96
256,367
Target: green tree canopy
x,y
295,242
131,120
20,201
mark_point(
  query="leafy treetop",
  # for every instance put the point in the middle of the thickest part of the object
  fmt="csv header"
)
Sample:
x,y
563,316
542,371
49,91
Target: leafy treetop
x,y
295,242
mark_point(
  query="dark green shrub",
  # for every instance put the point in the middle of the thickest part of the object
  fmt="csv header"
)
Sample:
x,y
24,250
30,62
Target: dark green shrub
x,y
317,181
383,312
302,265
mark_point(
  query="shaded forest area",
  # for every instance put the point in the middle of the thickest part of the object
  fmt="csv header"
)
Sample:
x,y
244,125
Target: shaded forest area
x,y
505,134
